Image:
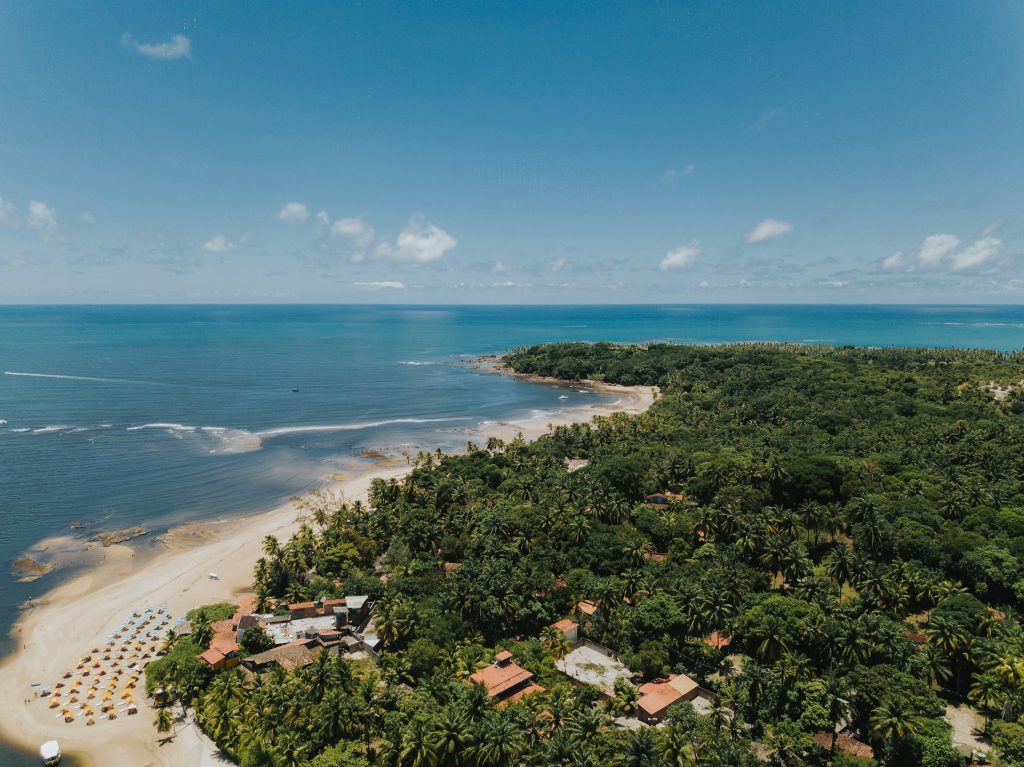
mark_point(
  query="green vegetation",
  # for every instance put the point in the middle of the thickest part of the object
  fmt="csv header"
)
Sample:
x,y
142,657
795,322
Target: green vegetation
x,y
853,519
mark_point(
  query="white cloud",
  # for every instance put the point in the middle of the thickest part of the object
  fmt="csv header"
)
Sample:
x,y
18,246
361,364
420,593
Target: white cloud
x,y
684,255
379,285
421,242
894,261
8,215
509,285
936,247
558,264
178,47
978,253
358,230
768,229
219,244
323,218
500,267
88,217
672,175
294,213
42,217
767,118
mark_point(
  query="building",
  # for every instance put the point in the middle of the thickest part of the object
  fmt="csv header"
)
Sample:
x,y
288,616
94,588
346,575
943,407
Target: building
x,y
222,653
293,655
657,697
586,607
663,499
506,681
591,664
570,629
717,640
845,743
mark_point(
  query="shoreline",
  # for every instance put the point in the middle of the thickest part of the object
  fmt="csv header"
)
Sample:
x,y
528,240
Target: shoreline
x,y
51,634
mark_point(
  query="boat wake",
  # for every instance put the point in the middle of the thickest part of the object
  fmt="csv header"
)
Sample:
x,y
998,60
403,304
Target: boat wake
x,y
84,378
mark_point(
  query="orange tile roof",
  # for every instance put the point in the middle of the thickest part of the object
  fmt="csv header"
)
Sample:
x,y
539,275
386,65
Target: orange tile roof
x,y
300,606
500,679
219,627
503,655
224,642
566,624
531,690
655,697
587,607
844,743
211,656
718,640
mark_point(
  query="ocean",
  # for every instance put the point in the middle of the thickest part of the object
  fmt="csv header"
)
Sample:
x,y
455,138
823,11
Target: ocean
x,y
117,417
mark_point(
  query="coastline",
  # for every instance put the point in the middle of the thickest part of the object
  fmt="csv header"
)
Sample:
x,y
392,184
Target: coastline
x,y
76,615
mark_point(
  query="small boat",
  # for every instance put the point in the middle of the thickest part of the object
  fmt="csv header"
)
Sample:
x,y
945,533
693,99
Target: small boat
x,y
295,391
564,396
49,752
214,577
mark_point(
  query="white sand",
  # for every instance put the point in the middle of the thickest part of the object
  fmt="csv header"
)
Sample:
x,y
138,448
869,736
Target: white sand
x,y
72,618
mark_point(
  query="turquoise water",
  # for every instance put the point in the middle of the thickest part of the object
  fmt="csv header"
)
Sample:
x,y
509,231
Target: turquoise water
x,y
123,416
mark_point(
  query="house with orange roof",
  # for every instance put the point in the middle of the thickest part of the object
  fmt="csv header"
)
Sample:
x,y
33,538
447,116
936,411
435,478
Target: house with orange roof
x,y
656,698
717,640
222,653
570,629
506,681
844,743
586,607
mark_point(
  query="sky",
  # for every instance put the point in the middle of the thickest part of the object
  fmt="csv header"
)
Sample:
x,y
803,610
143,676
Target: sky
x,y
509,152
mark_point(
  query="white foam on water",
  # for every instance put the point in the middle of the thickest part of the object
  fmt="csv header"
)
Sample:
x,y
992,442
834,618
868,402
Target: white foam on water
x,y
417,363
50,429
228,440
348,426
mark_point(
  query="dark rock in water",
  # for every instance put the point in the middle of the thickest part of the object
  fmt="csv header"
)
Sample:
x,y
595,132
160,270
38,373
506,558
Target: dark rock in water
x,y
120,536
28,569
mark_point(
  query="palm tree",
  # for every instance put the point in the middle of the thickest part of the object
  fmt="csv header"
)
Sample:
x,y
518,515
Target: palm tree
x,y
419,745
454,737
499,741
164,721
893,721
554,641
986,692
169,639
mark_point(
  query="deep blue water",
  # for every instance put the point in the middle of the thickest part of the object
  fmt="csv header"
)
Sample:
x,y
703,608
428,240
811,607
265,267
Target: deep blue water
x,y
120,416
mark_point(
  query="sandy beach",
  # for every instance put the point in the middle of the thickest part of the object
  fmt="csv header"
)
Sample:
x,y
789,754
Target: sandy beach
x,y
81,613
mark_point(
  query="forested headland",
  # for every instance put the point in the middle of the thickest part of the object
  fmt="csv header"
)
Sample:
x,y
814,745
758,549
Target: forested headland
x,y
851,520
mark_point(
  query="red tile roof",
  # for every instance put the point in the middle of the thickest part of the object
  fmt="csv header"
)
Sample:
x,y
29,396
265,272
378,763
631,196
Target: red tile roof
x,y
224,642
844,743
718,640
531,690
500,679
503,656
211,657
655,697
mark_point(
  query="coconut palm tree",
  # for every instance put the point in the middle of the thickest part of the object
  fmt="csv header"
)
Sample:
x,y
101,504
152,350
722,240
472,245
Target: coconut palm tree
x,y
987,691
893,721
164,721
419,745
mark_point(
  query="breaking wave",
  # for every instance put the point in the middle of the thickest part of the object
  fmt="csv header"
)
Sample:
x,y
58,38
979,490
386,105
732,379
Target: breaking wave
x,y
222,439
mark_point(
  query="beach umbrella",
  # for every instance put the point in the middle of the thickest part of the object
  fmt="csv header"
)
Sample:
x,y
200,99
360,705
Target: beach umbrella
x,y
68,718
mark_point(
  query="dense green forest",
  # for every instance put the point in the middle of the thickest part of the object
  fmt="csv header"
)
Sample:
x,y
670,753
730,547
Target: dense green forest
x,y
852,518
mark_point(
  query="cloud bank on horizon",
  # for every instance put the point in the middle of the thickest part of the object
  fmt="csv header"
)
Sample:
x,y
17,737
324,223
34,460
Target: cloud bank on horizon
x,y
629,157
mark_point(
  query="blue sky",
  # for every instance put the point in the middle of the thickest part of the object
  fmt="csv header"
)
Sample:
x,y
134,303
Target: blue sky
x,y
512,153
